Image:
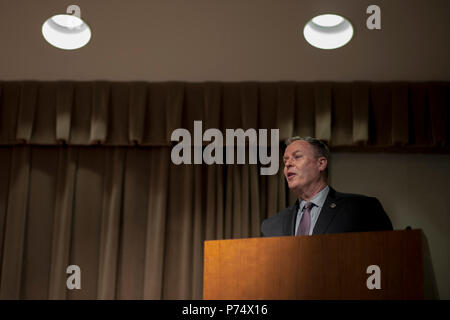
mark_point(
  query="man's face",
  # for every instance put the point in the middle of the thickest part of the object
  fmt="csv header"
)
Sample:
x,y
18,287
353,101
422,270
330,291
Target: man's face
x,y
302,167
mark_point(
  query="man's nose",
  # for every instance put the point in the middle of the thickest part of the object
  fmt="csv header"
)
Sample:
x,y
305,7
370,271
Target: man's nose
x,y
288,163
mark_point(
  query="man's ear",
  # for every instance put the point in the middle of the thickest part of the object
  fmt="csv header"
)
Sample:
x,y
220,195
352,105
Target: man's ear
x,y
323,162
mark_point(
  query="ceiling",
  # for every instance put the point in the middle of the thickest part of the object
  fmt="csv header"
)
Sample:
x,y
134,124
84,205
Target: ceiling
x,y
226,40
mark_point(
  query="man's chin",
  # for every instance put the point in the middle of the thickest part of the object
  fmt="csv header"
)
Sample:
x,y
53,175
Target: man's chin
x,y
293,186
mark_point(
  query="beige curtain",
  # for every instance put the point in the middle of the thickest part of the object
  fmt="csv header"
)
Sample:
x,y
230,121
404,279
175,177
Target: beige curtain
x,y
132,221
86,176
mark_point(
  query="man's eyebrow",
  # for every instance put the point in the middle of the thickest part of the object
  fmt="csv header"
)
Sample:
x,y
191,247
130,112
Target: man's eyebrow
x,y
293,153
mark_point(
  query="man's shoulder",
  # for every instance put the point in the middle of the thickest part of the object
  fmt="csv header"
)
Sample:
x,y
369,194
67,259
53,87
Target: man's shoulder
x,y
285,213
274,225
349,195
365,212
353,197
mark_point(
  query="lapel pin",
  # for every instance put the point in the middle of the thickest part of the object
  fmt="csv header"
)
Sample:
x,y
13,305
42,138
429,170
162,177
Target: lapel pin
x,y
333,205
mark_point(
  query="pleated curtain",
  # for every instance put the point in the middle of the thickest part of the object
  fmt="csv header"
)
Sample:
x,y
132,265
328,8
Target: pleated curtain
x,y
145,114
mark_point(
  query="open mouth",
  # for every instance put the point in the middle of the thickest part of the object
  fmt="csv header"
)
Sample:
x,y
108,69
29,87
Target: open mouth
x,y
291,175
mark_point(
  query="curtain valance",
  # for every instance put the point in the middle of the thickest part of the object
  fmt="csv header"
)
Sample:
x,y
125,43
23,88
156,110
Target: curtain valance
x,y
398,115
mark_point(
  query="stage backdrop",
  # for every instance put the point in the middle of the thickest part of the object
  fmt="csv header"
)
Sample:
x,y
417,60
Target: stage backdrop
x,y
86,176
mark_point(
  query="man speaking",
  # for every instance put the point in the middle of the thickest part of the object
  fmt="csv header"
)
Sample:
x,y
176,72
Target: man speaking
x,y
319,208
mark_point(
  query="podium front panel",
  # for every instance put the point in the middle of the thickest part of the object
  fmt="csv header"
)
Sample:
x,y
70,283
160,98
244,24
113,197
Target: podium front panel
x,y
335,266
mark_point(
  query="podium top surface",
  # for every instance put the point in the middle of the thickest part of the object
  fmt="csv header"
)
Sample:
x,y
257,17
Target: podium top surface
x,y
348,235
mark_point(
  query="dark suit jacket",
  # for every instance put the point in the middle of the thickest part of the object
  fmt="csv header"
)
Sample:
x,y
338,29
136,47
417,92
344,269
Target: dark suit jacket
x,y
341,212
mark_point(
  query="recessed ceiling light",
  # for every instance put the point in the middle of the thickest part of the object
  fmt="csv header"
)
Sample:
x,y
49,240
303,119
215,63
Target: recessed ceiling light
x,y
66,31
328,31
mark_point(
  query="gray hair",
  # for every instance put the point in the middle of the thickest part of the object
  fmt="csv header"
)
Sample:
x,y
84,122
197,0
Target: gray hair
x,y
320,147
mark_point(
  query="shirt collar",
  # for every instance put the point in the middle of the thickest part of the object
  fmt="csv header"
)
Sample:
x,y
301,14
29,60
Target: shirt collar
x,y
318,199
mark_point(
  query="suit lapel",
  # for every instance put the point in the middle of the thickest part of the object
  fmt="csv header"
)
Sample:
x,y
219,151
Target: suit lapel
x,y
328,212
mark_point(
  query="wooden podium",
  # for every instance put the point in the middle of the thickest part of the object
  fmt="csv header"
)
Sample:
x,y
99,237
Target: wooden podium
x,y
333,266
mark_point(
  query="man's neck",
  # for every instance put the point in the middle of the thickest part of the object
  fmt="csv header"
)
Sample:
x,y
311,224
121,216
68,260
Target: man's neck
x,y
310,192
